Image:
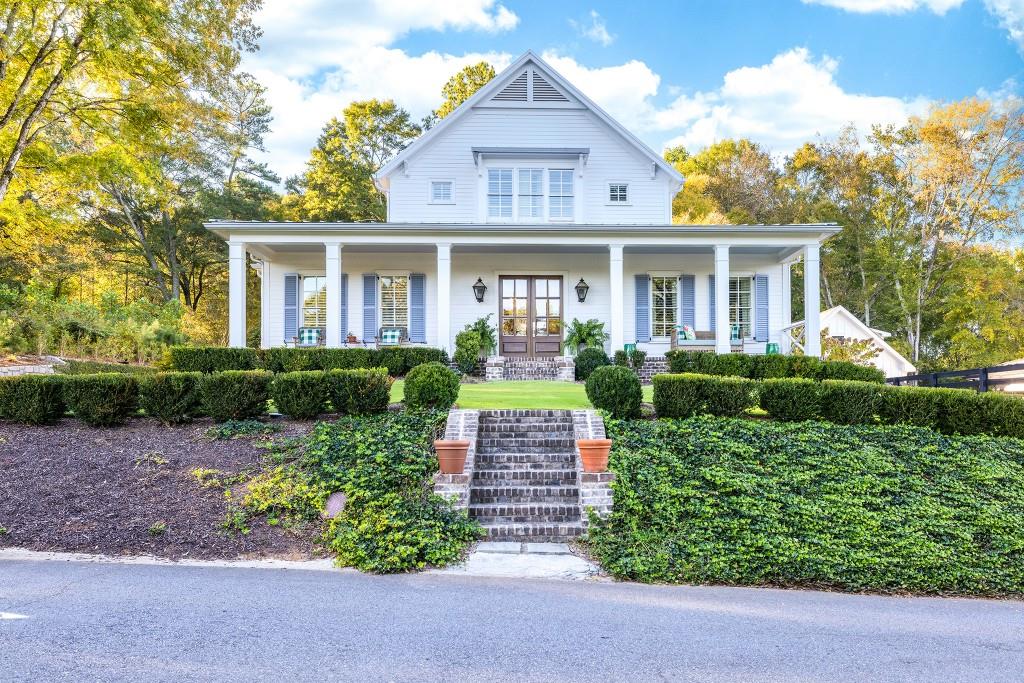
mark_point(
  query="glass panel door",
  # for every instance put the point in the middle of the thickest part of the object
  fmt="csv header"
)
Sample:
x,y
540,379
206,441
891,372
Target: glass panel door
x,y
531,315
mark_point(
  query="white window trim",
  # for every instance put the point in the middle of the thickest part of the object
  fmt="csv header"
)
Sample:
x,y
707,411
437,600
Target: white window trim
x,y
608,194
302,296
650,301
430,191
408,295
546,166
753,304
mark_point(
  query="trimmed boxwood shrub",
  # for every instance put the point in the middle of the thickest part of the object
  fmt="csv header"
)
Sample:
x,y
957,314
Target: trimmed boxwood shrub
x,y
302,395
75,366
391,357
688,394
768,366
418,355
1004,414
431,386
589,360
841,369
849,402
753,502
284,359
910,405
212,358
359,392
790,398
171,397
235,394
807,367
101,400
467,351
32,399
615,389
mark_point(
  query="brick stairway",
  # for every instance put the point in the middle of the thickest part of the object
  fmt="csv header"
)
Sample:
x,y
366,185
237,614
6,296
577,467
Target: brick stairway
x,y
525,484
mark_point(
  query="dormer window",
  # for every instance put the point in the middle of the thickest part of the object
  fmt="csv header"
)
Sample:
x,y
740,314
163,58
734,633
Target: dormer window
x,y
618,193
442,192
499,193
531,194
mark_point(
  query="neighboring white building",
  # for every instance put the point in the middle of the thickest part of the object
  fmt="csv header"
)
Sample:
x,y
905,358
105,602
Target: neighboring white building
x,y
842,324
527,188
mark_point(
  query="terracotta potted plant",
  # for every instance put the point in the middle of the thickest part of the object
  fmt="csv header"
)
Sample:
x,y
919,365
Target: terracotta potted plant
x,y
351,339
594,453
451,455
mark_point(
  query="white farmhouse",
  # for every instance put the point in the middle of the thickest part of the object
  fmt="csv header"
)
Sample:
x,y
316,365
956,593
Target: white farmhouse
x,y
532,204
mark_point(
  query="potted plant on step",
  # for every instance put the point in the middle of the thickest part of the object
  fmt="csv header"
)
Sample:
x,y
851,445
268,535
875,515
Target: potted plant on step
x,y
451,455
351,338
585,335
594,454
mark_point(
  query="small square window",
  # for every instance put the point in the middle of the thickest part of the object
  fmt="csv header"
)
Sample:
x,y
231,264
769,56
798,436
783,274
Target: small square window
x,y
618,193
441,192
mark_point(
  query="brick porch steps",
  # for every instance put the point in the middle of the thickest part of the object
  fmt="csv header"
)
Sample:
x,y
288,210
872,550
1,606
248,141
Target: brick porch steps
x,y
525,482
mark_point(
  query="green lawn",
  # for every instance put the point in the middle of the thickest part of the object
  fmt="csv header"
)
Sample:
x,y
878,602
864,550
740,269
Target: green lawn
x,y
533,394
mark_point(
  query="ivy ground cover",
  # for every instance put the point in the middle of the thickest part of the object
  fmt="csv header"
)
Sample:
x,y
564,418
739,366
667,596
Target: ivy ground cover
x,y
750,502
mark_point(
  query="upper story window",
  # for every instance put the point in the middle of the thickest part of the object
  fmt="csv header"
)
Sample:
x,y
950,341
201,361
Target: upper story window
x,y
561,195
499,193
314,301
531,193
618,193
442,192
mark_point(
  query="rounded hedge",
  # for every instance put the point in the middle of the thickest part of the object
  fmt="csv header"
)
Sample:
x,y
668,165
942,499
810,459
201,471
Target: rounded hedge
x,y
171,397
431,385
467,351
235,394
589,360
302,394
102,400
616,389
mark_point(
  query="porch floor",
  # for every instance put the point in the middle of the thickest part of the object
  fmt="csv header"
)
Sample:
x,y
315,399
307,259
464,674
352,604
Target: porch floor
x,y
524,394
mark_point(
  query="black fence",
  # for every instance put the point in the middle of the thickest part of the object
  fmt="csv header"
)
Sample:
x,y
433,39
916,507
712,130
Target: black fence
x,y
979,379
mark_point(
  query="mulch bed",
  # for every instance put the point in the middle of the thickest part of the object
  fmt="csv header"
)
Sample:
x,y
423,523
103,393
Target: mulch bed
x,y
76,488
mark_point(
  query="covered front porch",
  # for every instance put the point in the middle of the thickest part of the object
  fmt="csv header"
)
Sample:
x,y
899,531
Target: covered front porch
x,y
349,281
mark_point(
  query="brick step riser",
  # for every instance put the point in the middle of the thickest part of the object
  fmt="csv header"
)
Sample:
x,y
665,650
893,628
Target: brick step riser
x,y
516,413
526,432
511,477
528,532
516,499
524,459
485,511
520,442
528,519
561,464
504,449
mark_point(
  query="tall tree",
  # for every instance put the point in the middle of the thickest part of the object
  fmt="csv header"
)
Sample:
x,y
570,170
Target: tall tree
x,y
462,86
338,182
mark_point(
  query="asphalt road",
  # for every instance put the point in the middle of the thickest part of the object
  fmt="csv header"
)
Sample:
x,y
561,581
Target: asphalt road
x,y
110,622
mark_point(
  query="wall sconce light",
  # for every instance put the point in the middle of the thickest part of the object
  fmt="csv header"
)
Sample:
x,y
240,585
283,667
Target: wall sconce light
x,y
581,290
479,289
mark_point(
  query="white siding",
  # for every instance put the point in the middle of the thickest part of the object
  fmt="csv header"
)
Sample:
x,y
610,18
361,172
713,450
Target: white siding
x,y
611,159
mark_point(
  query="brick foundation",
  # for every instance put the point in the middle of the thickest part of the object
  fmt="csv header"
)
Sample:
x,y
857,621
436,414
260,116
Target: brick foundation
x,y
501,368
653,365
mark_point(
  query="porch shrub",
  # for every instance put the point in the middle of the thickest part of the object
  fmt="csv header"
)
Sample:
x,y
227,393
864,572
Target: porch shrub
x,y
235,394
684,395
391,357
284,359
171,397
849,402
792,399
418,355
359,392
75,366
212,358
806,367
102,400
467,350
302,394
615,389
768,366
589,360
31,399
864,507
431,386
341,359
842,369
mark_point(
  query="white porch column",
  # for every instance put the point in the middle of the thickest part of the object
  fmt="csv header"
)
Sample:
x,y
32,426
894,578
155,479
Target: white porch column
x,y
444,296
722,335
615,301
332,270
812,301
236,294
787,293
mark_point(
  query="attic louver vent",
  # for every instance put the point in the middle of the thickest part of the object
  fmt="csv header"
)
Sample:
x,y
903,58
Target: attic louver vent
x,y
514,91
545,92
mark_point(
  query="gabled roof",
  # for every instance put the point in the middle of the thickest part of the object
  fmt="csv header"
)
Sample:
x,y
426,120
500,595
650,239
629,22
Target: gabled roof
x,y
869,332
496,86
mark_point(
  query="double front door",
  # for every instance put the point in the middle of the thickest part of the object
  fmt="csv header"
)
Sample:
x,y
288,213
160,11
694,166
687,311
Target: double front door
x,y
530,315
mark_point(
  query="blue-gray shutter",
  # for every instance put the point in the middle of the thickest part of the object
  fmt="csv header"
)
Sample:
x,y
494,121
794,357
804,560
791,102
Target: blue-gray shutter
x,y
344,306
687,302
291,306
761,308
711,301
369,306
643,308
418,308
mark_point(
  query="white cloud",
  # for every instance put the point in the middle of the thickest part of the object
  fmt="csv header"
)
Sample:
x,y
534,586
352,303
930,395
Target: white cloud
x,y
1011,17
596,30
780,104
625,91
889,6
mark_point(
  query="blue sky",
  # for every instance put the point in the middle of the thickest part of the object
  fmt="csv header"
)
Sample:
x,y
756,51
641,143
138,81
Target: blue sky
x,y
778,71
